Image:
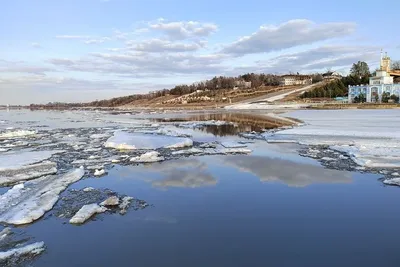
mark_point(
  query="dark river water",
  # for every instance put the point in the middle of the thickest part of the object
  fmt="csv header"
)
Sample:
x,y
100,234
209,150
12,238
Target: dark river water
x,y
272,208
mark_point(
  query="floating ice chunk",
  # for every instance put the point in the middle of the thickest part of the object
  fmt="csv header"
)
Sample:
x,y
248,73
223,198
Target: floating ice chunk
x,y
12,176
232,145
15,160
32,249
115,161
86,212
208,145
185,143
17,133
99,136
99,172
125,140
190,151
26,203
120,140
328,159
236,151
392,181
4,149
111,201
88,189
152,156
281,141
4,233
124,205
395,174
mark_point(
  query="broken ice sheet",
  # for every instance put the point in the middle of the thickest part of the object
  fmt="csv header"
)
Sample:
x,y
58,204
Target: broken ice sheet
x,y
125,140
25,203
86,212
24,173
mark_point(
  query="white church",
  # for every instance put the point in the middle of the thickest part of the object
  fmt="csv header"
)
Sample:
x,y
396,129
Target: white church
x,y
379,84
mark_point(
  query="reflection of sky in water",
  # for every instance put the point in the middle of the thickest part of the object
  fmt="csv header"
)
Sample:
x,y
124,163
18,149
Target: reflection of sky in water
x,y
271,208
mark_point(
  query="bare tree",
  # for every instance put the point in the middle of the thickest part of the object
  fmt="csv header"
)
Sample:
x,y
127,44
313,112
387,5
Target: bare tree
x,y
395,65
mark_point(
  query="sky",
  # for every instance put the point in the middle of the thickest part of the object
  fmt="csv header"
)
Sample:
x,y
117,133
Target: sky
x,y
83,50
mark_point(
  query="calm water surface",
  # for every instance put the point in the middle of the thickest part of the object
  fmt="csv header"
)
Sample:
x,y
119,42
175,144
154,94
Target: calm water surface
x,y
269,209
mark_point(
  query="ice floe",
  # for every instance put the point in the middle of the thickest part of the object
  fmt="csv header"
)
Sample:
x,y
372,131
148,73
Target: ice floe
x,y
25,203
24,173
15,160
99,172
152,156
32,249
232,145
111,201
369,137
86,212
124,205
125,140
17,133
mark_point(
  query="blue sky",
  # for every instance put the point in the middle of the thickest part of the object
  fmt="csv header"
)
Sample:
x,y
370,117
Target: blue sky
x,y
70,50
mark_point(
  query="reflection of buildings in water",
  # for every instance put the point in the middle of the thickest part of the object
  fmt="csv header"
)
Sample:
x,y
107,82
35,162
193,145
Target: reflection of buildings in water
x,y
291,173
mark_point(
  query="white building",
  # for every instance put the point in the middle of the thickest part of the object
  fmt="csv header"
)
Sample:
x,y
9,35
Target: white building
x,y
292,79
379,84
331,75
243,84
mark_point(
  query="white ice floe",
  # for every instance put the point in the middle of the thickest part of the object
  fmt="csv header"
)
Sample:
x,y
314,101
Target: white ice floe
x,y
111,201
25,203
287,141
124,205
236,151
125,140
15,160
190,151
99,172
184,143
88,189
4,149
152,156
32,249
17,133
24,173
86,212
4,233
232,145
392,181
369,137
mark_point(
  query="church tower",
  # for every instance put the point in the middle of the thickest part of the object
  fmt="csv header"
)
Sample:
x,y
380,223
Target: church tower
x,y
385,63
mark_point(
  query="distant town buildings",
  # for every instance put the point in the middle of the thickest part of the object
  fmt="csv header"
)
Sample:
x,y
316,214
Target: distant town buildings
x,y
293,79
380,84
243,84
331,75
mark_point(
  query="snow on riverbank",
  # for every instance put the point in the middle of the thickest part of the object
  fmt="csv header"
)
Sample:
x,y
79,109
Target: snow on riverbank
x,y
25,203
370,137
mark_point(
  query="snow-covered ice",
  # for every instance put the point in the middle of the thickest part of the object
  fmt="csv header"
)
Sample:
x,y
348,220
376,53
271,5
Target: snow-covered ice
x,y
16,133
369,137
232,145
86,212
33,249
152,156
25,203
111,201
16,160
24,173
99,172
125,140
124,205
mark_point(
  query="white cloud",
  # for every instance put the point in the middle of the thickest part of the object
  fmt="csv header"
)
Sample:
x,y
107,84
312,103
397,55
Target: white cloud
x,y
184,29
73,36
159,45
36,45
289,34
97,41
315,59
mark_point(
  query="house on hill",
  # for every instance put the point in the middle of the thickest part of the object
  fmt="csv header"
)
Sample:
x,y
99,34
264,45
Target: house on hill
x,y
295,79
331,75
